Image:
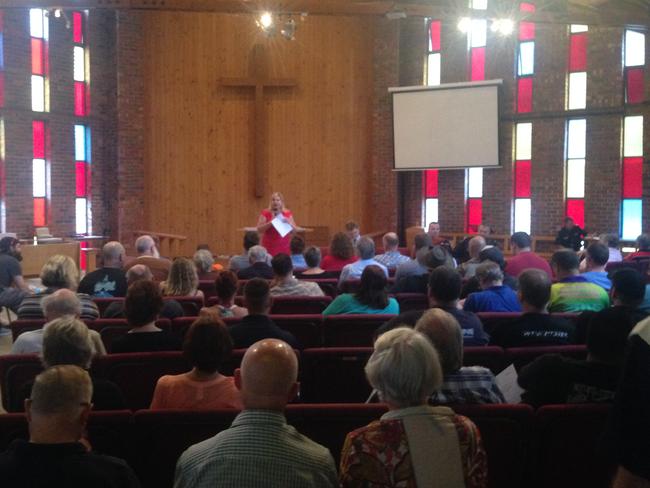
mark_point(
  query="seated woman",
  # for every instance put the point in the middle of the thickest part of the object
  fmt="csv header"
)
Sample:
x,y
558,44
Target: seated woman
x,y
426,446
142,306
182,280
226,284
313,258
204,264
57,273
207,344
371,297
341,253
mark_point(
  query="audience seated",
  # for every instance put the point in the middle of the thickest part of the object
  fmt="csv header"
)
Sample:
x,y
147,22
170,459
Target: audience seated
x,y
572,292
55,455
257,325
148,255
353,231
494,254
413,444
468,268
59,304
313,259
297,246
460,384
226,287
260,448
67,341
524,257
182,280
284,284
414,267
366,253
461,251
495,297
207,344
259,265
597,256
436,239
142,306
110,279
535,327
553,378
204,264
241,261
643,248
57,273
370,298
391,258
341,253
430,258
612,242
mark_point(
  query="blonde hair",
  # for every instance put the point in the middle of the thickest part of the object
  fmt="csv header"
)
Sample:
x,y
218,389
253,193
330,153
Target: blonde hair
x,y
67,341
61,389
182,279
279,195
60,272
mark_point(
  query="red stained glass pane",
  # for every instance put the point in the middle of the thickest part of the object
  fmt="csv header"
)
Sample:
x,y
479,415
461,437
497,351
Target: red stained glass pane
x,y
474,214
527,7
37,57
526,31
524,95
632,178
434,31
478,64
431,183
575,208
82,255
578,52
77,27
80,99
38,139
39,212
634,85
81,179
522,179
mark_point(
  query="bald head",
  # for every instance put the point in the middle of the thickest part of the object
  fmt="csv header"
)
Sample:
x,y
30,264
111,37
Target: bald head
x,y
476,245
391,241
60,303
268,374
145,246
138,272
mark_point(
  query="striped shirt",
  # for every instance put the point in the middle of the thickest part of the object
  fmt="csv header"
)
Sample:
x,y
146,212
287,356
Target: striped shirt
x,y
470,384
259,449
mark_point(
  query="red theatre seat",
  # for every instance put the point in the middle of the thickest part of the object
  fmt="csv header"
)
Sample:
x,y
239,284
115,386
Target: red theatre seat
x,y
209,288
306,328
521,356
351,330
491,357
299,305
15,371
191,305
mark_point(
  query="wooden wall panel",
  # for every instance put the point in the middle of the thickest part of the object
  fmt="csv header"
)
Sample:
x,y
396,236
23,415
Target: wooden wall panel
x,y
198,133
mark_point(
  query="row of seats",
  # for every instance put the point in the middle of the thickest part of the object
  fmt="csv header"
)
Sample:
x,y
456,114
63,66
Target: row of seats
x,y
326,374
556,446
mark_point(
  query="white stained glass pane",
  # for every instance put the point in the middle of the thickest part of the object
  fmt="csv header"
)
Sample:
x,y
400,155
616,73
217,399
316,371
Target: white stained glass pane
x,y
577,139
634,48
80,143
478,33
577,90
89,217
575,178
79,64
38,93
575,28
36,22
433,69
38,177
633,139
431,210
523,149
479,4
475,183
526,64
3,217
81,226
522,215
631,219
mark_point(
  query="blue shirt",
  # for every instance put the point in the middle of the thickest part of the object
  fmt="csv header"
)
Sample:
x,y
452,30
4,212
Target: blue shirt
x,y
353,271
494,299
298,261
598,278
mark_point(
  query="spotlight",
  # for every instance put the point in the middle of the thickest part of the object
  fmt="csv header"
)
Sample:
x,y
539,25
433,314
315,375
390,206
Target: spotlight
x,y
464,25
265,22
57,13
288,30
505,27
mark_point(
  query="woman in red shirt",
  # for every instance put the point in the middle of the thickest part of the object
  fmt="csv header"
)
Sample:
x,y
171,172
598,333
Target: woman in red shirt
x,y
271,239
341,252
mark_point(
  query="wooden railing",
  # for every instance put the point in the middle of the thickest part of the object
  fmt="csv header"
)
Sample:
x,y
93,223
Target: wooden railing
x,y
169,244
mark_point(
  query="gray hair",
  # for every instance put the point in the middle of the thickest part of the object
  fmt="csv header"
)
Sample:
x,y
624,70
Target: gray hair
x,y
203,260
138,272
489,272
61,390
257,254
112,251
404,368
444,332
61,302
67,341
366,248
144,243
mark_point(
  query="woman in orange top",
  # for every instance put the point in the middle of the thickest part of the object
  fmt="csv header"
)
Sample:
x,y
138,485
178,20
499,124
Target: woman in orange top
x,y
207,344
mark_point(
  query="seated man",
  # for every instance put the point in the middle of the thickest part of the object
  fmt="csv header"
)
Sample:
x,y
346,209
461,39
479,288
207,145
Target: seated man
x,y
597,257
524,257
429,259
297,246
475,246
391,258
570,235
57,413
257,325
413,267
286,284
148,255
251,238
259,267
366,252
461,384
12,284
572,292
461,251
110,279
436,239
353,232
494,254
495,297
535,327
642,248
259,448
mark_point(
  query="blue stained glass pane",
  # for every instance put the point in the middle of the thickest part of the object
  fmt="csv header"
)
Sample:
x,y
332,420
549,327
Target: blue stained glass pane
x,y
2,57
80,143
631,219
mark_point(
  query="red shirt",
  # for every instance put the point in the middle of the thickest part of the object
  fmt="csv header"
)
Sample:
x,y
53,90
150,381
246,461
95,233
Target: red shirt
x,y
272,241
332,263
525,260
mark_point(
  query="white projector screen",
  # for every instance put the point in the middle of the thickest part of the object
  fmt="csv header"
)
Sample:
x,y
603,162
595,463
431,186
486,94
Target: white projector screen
x,y
446,126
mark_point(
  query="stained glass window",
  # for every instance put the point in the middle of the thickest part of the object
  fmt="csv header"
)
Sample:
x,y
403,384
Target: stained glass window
x,y
522,177
39,172
432,79
577,86
576,137
634,66
632,177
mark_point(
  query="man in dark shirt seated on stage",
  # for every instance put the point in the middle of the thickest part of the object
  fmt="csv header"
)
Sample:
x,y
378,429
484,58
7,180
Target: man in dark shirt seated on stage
x,y
570,235
257,325
535,327
57,413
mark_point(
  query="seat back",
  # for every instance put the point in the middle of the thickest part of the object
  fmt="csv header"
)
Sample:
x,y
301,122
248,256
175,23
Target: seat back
x,y
103,303
12,426
15,371
307,328
191,305
209,288
25,325
328,285
491,357
412,301
350,286
299,304
493,320
521,356
351,330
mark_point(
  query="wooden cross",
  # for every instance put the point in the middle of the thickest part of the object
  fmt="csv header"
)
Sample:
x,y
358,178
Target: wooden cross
x,y
259,80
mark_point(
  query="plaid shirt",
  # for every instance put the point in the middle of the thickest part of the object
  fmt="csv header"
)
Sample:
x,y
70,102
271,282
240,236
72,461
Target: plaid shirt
x,y
392,259
472,384
259,449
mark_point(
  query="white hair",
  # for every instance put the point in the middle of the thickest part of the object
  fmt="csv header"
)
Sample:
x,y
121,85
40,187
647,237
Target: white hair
x,y
112,250
257,254
203,260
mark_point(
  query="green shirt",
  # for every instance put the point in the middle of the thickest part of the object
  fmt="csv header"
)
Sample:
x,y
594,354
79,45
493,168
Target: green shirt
x,y
348,304
575,294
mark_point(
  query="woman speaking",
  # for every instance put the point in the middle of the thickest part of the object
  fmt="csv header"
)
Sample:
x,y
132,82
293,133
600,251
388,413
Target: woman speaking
x,y
271,239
